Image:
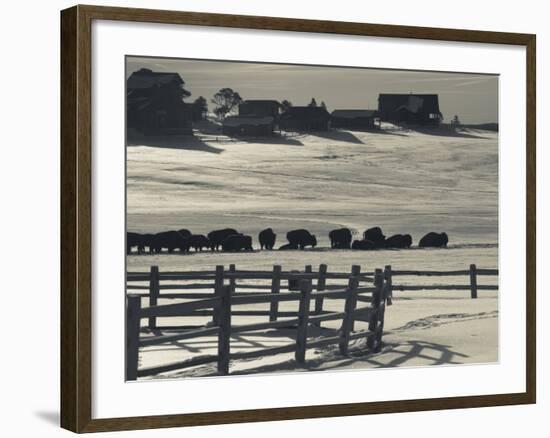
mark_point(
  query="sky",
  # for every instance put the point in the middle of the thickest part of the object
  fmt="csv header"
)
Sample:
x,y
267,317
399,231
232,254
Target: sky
x,y
473,97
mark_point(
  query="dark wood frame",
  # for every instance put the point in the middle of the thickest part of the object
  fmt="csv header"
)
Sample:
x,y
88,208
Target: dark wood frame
x,y
76,219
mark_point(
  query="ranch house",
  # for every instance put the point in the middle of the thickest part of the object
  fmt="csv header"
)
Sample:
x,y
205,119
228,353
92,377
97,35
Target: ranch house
x,y
264,108
248,126
154,103
305,118
353,118
414,109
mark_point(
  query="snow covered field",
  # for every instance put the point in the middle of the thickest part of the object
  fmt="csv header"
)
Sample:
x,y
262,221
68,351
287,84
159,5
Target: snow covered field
x,y
403,181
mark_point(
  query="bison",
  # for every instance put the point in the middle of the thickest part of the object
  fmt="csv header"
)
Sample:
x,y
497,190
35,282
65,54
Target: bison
x,y
185,232
216,237
287,247
340,238
147,240
375,235
197,242
363,244
301,238
237,242
434,240
169,240
134,239
398,241
267,238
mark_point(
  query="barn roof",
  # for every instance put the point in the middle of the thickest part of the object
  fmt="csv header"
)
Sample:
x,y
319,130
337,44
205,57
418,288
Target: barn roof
x,y
247,121
146,78
353,113
427,103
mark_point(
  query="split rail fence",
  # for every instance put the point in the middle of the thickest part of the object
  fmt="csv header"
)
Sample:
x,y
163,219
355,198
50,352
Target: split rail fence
x,y
227,297
218,294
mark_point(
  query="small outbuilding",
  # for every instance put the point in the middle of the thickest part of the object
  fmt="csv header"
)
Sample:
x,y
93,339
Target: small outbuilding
x,y
304,118
353,118
416,109
248,126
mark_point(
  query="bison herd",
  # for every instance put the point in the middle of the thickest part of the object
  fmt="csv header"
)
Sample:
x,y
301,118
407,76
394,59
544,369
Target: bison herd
x,y
230,240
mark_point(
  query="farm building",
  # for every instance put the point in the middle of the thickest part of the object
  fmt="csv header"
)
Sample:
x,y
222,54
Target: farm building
x,y
154,103
305,118
355,118
416,109
248,126
266,108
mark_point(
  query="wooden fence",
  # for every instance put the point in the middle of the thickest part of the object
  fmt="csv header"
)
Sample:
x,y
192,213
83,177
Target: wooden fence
x,y
219,293
471,273
223,303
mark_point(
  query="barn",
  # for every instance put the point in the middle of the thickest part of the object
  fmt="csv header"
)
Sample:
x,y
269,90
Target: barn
x,y
415,109
304,118
248,126
353,118
265,108
154,103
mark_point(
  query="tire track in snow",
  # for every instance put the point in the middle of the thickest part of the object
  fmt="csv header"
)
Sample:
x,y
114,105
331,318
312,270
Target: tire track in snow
x,y
444,319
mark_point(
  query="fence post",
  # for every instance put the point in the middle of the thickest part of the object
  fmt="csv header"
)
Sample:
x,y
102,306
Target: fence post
x,y
389,291
355,271
275,289
133,311
232,281
218,286
321,282
376,299
349,309
224,334
154,292
293,283
303,316
473,281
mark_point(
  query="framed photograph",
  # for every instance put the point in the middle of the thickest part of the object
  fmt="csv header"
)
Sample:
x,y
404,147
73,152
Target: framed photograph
x,y
268,218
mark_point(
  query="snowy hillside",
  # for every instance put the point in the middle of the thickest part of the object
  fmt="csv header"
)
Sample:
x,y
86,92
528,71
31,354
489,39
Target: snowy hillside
x,y
403,181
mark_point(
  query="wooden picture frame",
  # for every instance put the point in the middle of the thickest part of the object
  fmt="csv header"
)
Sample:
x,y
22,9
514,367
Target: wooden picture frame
x,y
76,217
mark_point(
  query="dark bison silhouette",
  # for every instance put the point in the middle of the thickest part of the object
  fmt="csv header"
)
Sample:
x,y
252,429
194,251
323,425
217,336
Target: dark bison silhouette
x,y
267,238
134,239
363,244
375,235
185,232
169,240
340,238
216,237
237,242
434,240
197,242
288,246
398,241
147,240
301,238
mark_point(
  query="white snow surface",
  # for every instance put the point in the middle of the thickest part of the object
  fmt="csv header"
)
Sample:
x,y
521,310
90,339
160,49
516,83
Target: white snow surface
x,y
404,181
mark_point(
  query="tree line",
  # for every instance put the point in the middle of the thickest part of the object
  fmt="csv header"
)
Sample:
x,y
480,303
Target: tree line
x,y
227,99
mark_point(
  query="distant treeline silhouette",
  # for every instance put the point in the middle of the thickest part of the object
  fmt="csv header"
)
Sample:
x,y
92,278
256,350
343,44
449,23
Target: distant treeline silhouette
x,y
230,240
